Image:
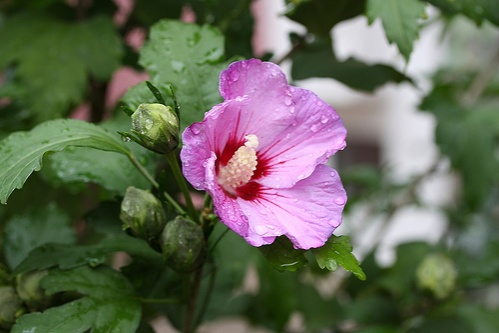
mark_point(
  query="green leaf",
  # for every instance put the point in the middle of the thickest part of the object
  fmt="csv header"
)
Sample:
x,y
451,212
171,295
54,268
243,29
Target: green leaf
x,y
276,299
477,10
320,16
195,59
98,33
468,137
318,312
234,18
113,172
400,19
443,323
71,256
371,308
34,228
21,152
318,60
53,80
283,256
338,252
110,304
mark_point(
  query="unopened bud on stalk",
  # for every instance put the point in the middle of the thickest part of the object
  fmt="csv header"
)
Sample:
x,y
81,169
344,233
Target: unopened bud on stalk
x,y
157,127
29,290
437,274
10,307
183,245
143,213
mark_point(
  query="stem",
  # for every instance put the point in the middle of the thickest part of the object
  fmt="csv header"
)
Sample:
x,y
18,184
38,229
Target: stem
x,y
177,173
174,203
193,298
207,297
139,166
218,240
299,45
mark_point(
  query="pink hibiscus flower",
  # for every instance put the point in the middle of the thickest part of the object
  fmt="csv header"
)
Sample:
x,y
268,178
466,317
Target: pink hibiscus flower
x,y
261,156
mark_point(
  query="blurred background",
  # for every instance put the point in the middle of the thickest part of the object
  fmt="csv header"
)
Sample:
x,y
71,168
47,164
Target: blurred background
x,y
420,167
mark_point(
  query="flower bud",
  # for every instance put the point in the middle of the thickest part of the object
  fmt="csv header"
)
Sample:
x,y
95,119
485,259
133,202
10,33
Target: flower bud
x,y
143,213
183,245
157,127
437,274
10,307
29,290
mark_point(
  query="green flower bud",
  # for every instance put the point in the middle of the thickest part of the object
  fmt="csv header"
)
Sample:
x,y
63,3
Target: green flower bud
x,y
183,245
437,274
29,290
157,127
10,307
143,213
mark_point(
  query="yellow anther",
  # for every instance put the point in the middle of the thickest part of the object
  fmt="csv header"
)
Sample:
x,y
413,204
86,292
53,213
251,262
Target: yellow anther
x,y
240,167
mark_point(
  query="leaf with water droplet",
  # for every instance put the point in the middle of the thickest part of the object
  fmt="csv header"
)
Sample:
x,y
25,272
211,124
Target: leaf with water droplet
x,y
155,91
67,256
193,68
22,152
283,256
109,304
338,252
33,228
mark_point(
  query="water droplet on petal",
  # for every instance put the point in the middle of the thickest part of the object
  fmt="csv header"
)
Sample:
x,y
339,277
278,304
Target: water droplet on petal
x,y
324,119
261,229
319,103
196,129
287,100
314,128
340,201
234,76
333,173
333,223
292,109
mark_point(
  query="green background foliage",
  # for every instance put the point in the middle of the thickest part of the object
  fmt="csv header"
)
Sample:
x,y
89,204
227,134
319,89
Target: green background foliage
x,y
63,180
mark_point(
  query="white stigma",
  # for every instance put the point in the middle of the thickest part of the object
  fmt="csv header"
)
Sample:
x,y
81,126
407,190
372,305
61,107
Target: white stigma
x,y
240,167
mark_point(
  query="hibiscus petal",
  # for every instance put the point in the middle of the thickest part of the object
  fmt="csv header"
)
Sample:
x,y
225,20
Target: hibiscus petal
x,y
227,124
262,80
315,134
226,207
194,155
307,213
